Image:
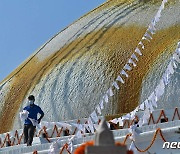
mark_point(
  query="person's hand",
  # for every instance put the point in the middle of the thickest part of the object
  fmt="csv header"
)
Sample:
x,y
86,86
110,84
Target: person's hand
x,y
39,120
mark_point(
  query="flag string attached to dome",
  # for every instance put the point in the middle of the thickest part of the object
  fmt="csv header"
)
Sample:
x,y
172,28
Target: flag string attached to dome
x,y
151,30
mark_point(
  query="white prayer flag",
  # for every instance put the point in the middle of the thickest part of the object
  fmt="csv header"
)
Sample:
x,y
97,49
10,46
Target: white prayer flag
x,y
78,134
70,146
115,85
136,109
130,61
96,126
98,109
102,104
135,132
165,77
151,31
133,148
127,116
160,89
87,127
134,57
78,126
91,127
90,121
179,44
110,92
153,22
176,57
120,122
124,73
54,148
115,121
120,79
82,128
170,68
174,64
90,124
178,51
165,1
137,50
94,116
106,98
148,106
132,115
145,38
24,115
142,106
142,45
140,123
130,130
147,35
162,6
34,122
157,16
144,120
152,99
146,103
162,85
178,48
108,124
151,107
146,113
127,67
151,28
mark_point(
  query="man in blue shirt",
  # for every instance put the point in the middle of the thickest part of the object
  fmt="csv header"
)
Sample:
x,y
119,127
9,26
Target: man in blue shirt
x,y
29,128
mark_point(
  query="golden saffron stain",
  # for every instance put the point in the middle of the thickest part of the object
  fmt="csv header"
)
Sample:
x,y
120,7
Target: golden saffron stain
x,y
114,47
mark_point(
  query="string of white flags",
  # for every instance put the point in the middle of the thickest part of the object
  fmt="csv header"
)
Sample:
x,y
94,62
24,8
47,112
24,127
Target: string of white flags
x,y
151,102
151,30
93,118
131,62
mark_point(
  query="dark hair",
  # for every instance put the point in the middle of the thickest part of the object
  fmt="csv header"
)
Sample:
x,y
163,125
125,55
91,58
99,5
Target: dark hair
x,y
31,97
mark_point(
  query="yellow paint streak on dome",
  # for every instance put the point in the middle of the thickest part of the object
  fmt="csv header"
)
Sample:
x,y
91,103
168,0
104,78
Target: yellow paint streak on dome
x,y
20,85
120,44
114,47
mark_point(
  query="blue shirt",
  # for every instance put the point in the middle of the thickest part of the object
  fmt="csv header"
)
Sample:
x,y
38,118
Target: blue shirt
x,y
33,112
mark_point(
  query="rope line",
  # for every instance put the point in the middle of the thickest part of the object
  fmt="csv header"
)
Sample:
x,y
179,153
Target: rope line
x,y
18,138
158,130
152,141
65,147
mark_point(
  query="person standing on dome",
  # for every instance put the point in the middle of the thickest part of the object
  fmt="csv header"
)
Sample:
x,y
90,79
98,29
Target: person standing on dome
x,y
30,122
